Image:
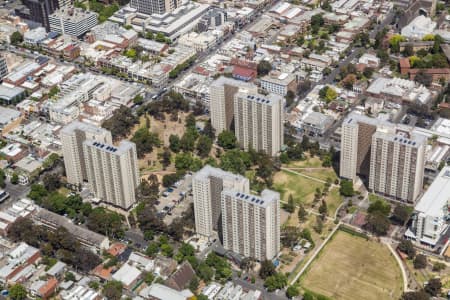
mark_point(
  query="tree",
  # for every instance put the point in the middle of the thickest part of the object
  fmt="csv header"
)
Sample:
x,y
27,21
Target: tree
x,y
209,131
264,67
317,21
423,78
438,267
145,141
112,290
346,188
52,182
323,209
174,141
18,292
193,284
2,179
302,213
267,269
395,41
205,272
290,96
377,223
187,142
401,214
53,91
420,262
381,206
434,286
290,236
276,281
368,72
407,247
14,178
199,108
318,227
138,99
16,38
190,121
292,291
227,139
165,158
290,206
121,122
408,51
235,161
415,295
204,145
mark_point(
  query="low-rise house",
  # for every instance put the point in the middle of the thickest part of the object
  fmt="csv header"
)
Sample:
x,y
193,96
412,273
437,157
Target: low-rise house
x,y
128,276
161,292
44,288
181,278
19,264
79,292
57,270
86,237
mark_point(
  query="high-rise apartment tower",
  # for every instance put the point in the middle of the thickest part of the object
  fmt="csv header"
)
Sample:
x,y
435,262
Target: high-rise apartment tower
x,y
251,224
259,121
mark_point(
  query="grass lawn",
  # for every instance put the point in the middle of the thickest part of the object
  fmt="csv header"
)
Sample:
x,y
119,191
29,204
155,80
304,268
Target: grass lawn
x,y
350,267
424,275
321,174
333,199
309,162
301,188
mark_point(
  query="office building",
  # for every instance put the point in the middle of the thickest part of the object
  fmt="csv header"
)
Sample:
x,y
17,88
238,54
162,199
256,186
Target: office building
x,y
72,139
279,83
213,18
258,121
251,224
207,186
72,21
38,11
113,174
3,67
222,92
397,164
431,212
159,7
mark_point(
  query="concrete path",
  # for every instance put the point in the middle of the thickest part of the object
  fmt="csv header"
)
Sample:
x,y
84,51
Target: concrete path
x,y
400,264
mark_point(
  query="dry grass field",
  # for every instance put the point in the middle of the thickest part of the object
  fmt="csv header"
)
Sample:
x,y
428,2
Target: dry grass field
x,y
350,267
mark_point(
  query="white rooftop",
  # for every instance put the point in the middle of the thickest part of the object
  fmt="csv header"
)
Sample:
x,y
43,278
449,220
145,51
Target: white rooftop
x,y
437,196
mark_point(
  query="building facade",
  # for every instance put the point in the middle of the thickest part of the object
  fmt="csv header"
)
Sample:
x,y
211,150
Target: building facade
x,y
431,212
38,11
389,158
150,7
72,139
259,121
222,92
279,83
113,174
251,224
356,140
207,186
72,21
3,68
397,164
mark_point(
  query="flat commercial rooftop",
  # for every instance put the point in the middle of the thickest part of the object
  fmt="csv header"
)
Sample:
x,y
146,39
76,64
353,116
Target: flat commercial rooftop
x,y
437,196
